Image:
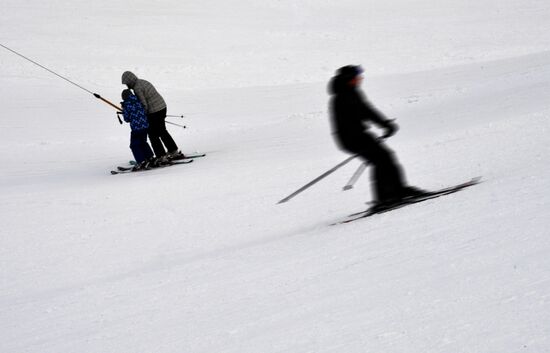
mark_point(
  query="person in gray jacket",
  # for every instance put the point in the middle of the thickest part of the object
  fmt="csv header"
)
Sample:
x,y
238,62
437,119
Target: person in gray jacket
x,y
155,107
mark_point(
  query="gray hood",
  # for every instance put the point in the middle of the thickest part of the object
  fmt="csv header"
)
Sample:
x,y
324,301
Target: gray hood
x,y
129,79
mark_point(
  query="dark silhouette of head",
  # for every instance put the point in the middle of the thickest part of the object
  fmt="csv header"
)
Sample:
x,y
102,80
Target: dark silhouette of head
x,y
347,78
126,94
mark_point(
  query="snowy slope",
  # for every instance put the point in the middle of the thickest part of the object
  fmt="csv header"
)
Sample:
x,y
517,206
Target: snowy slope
x,y
199,258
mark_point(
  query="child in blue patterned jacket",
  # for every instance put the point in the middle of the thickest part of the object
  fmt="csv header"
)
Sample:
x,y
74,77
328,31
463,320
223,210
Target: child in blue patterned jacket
x,y
134,113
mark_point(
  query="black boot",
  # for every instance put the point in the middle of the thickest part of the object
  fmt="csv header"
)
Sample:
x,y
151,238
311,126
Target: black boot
x,y
412,192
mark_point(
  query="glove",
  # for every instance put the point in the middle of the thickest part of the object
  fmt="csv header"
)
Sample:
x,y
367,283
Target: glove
x,y
391,128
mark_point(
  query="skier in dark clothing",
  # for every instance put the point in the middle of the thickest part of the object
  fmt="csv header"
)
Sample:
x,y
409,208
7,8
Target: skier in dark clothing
x,y
134,113
155,107
351,114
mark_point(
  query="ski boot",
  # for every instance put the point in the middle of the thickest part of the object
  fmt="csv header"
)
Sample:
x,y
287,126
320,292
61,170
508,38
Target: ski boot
x,y
175,155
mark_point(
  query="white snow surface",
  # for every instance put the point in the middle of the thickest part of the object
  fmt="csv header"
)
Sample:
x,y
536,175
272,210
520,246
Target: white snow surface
x,y
200,258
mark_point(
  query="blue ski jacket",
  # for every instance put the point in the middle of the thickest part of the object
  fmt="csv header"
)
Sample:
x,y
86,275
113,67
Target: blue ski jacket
x,y
134,113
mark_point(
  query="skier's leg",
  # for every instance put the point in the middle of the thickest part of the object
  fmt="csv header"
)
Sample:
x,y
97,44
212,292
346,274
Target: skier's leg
x,y
163,133
148,152
155,128
393,174
390,180
144,147
387,175
136,145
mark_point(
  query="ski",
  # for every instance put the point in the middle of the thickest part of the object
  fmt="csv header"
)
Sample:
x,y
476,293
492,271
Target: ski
x,y
355,176
409,201
187,156
124,170
191,156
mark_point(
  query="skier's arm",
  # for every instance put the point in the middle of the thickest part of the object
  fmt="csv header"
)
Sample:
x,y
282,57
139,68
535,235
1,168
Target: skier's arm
x,y
125,112
381,120
391,128
142,98
374,115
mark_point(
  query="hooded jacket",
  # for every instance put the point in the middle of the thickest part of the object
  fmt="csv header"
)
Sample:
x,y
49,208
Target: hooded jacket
x,y
151,100
351,113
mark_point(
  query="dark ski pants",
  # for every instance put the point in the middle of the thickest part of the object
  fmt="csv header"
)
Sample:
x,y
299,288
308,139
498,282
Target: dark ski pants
x,y
158,135
139,146
388,179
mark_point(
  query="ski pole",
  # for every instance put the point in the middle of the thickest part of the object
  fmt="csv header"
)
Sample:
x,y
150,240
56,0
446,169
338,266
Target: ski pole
x,y
175,116
316,180
359,170
171,123
355,176
118,116
120,111
167,122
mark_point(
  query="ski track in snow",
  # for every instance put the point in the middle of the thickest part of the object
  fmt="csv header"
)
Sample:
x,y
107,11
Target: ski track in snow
x,y
199,258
